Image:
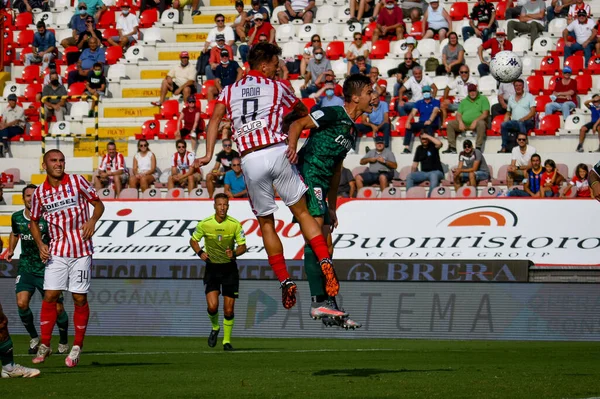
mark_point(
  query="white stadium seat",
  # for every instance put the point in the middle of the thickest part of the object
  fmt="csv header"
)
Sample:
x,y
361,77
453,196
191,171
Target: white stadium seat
x,y
543,45
340,68
326,14
13,88
78,111
471,46
521,44
116,72
331,32
292,50
343,13
152,35
488,85
428,48
169,17
556,26
306,31
44,16
63,19
285,33
134,53
349,30
61,128
274,18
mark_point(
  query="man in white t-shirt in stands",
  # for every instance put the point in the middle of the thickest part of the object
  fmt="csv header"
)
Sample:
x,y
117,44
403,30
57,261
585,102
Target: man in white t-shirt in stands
x,y
297,9
127,24
521,160
415,84
180,80
585,32
211,39
459,87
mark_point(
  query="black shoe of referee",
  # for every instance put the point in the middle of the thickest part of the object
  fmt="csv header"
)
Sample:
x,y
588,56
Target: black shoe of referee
x,y
212,338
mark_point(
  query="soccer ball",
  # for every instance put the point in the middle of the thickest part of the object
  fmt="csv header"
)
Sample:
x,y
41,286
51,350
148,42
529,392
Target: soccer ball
x,y
506,66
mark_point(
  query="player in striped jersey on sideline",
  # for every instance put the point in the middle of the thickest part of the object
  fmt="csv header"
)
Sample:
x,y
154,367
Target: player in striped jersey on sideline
x,y
63,201
255,106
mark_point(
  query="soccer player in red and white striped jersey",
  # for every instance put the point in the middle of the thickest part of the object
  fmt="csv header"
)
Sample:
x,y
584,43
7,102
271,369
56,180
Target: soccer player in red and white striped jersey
x,y
63,201
112,170
183,171
255,105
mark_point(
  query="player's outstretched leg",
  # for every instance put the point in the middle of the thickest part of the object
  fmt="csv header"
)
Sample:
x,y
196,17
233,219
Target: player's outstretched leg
x,y
320,306
9,368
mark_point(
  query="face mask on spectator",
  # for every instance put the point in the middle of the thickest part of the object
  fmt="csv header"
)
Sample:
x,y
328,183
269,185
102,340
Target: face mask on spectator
x,y
97,73
54,82
319,56
329,92
124,12
426,95
389,6
83,11
224,62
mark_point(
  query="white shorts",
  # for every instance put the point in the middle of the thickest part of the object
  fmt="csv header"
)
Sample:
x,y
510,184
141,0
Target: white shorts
x,y
68,274
268,168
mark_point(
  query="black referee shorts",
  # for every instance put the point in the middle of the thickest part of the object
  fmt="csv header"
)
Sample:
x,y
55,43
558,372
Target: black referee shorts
x,y
222,277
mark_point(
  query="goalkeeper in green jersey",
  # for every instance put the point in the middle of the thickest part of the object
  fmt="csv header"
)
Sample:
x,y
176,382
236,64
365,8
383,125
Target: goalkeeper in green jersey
x,y
31,273
332,135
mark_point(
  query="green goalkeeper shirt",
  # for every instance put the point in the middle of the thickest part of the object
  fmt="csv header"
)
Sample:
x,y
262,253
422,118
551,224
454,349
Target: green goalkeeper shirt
x,y
30,254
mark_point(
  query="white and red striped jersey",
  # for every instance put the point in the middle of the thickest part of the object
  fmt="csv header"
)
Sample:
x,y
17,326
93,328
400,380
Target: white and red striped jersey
x,y
255,107
66,209
108,164
183,162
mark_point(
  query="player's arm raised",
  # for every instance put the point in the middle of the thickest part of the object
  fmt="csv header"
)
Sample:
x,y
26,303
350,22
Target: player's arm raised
x,y
211,134
296,128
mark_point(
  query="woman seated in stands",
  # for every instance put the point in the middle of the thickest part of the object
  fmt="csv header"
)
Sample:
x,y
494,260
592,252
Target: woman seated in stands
x,y
144,167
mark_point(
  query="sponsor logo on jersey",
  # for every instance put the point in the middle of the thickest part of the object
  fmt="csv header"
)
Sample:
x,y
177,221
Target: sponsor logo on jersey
x,y
61,204
250,127
318,193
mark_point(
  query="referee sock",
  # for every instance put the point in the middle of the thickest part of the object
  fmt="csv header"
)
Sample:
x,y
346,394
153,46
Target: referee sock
x,y
314,275
27,320
62,322
277,263
227,327
47,321
6,352
80,321
214,320
319,246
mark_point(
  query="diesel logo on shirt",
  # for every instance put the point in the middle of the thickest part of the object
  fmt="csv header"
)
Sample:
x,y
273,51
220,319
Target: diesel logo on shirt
x,y
61,204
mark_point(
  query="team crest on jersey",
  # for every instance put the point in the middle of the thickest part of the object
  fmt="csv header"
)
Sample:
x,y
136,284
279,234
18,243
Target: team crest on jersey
x,y
318,193
220,237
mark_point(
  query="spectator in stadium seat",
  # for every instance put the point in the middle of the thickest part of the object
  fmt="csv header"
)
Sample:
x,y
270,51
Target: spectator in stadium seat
x,y
128,27
579,182
414,9
360,66
44,47
226,73
520,115
257,8
495,45
144,167
55,106
297,9
551,180
415,85
459,85
453,57
183,171
472,167
357,48
382,164
95,8
520,160
78,24
89,57
220,29
585,36
260,27
224,159
327,97
505,90
378,89
190,123
485,15
235,185
360,9
316,67
558,9
347,186
308,53
575,7
159,5
112,170
428,109
404,71
473,113
29,5
530,21
180,80
242,22
564,97
593,105
411,44
13,121
96,85
91,32
215,56
515,12
390,23
428,155
376,121
438,21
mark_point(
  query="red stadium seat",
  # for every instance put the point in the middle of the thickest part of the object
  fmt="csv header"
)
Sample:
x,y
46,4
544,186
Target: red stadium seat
x,y
550,65
23,21
540,103
169,109
368,36
150,128
170,130
107,20
205,87
9,53
594,65
31,74
210,108
109,32
552,84
76,89
584,83
549,125
560,47
35,131
380,50
25,38
309,102
501,10
335,50
8,35
32,113
576,63
459,11
535,84
148,18
417,30
31,91
497,124
113,54
70,49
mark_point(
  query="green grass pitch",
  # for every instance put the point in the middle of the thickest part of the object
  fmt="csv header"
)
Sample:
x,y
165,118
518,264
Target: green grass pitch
x,y
149,367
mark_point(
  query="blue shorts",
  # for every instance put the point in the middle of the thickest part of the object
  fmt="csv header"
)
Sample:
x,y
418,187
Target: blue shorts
x,y
479,176
129,39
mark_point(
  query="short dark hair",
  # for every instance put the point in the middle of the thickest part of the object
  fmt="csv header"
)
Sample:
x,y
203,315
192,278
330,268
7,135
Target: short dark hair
x,y
361,58
111,143
41,24
97,64
181,141
354,85
536,155
221,195
32,186
239,3
47,153
262,52
551,163
219,15
520,81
